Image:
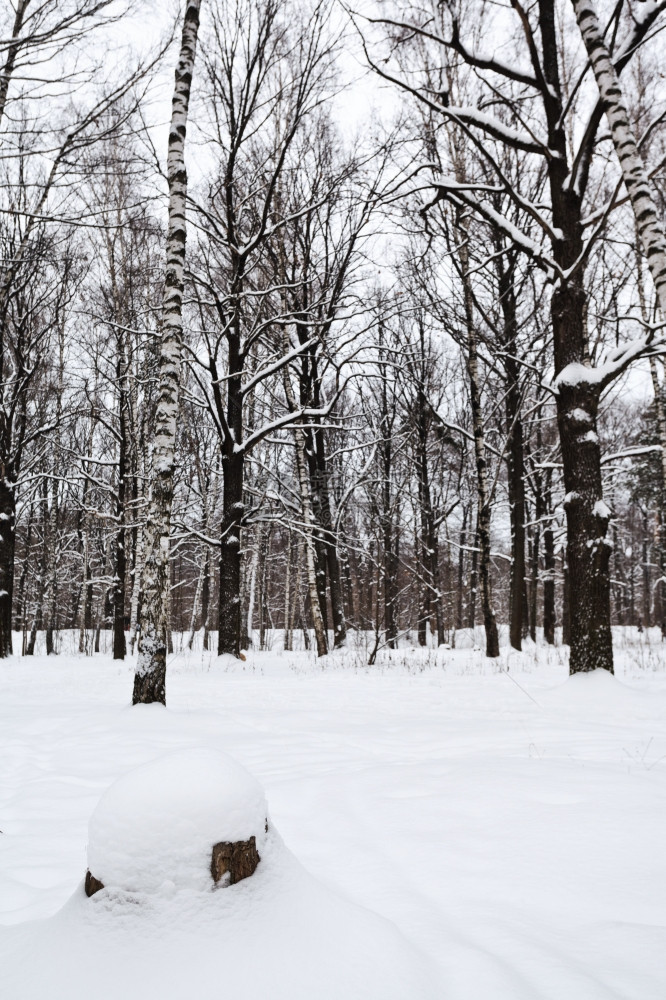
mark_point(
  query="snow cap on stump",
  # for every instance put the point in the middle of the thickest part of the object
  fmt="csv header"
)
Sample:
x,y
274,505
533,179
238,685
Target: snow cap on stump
x,y
181,821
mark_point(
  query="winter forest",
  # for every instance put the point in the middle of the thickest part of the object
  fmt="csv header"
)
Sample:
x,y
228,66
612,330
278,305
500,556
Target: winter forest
x,y
333,402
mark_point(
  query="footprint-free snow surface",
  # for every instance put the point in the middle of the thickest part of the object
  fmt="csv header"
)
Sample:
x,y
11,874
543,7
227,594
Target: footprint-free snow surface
x,y
438,828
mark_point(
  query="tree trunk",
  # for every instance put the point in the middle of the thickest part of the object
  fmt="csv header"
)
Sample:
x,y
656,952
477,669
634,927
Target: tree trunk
x,y
311,571
515,457
327,550
566,603
135,601
195,608
205,598
249,628
150,676
37,617
460,622
549,566
264,551
484,508
287,644
647,615
588,577
304,485
634,174
473,581
7,549
660,412
534,580
119,647
588,550
229,623
12,50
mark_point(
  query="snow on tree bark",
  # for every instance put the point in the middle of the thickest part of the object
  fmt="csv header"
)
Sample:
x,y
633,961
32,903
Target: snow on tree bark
x,y
149,679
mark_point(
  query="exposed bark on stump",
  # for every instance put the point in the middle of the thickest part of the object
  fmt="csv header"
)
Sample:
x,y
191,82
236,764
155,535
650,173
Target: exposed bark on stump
x,y
92,884
238,860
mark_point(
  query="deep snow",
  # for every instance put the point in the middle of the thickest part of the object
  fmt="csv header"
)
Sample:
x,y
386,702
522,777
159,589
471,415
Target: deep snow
x,y
510,825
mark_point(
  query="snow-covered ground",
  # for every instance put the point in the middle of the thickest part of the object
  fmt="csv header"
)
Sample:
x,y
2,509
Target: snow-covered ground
x,y
509,823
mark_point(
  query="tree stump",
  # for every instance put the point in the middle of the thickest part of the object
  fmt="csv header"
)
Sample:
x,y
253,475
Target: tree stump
x,y
238,860
93,884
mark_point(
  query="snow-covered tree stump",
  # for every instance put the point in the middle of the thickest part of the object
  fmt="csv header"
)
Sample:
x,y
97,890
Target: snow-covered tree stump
x,y
238,861
190,820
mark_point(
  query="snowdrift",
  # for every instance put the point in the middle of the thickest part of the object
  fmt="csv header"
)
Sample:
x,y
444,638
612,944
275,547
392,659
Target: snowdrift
x,y
160,928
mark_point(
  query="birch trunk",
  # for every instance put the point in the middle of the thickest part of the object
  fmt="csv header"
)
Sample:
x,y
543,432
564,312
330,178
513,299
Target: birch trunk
x,y
136,590
195,607
12,52
660,415
634,174
253,591
149,679
661,430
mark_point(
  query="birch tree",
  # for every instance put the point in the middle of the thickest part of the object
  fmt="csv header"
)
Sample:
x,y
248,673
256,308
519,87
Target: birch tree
x,y
149,679
634,174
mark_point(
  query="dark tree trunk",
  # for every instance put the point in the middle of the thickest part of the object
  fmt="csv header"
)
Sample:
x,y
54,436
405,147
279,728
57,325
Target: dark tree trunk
x,y
205,598
320,568
390,573
484,497
588,551
473,582
566,598
430,596
517,515
461,572
515,454
20,620
647,616
264,549
37,618
489,622
327,562
7,550
391,562
549,566
534,581
229,623
348,588
119,581
322,511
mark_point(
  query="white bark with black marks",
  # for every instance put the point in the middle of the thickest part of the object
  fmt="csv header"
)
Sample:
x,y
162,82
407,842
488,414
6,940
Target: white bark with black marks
x,y
634,174
149,680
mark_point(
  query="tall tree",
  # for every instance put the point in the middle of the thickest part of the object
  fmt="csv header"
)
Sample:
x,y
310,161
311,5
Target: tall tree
x,y
149,679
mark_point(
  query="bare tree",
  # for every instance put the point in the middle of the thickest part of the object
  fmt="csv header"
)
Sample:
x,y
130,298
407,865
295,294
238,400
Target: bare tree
x,y
149,679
